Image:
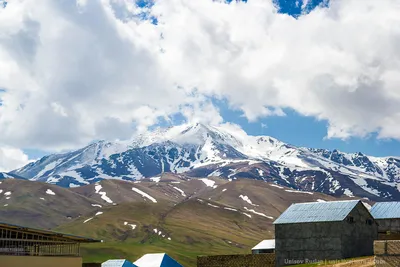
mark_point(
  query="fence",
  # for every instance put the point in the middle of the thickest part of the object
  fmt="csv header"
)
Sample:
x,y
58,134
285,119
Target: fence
x,y
387,253
15,242
248,260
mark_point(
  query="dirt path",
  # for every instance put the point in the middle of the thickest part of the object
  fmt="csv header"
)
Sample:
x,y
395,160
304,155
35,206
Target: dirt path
x,y
366,262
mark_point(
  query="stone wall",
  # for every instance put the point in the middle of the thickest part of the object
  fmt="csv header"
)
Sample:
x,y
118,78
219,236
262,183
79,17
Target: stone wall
x,y
392,225
300,243
358,237
248,260
91,265
307,242
389,236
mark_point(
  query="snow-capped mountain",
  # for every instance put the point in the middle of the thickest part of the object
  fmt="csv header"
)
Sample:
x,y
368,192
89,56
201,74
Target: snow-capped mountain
x,y
199,150
5,175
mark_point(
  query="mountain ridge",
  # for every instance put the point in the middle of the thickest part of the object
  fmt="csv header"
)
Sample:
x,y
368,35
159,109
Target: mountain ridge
x,y
199,150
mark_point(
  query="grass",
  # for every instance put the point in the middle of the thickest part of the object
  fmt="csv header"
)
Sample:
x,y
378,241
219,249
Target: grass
x,y
195,229
184,254
331,263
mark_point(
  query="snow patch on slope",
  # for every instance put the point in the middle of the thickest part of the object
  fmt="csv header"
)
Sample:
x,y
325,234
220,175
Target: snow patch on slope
x,y
50,192
364,185
103,195
347,192
155,179
76,176
248,215
85,221
258,213
277,186
208,182
47,168
247,199
297,191
131,225
145,195
180,190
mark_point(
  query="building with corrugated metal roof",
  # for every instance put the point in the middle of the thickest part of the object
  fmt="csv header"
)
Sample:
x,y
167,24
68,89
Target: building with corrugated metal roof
x,y
317,231
265,246
387,215
22,246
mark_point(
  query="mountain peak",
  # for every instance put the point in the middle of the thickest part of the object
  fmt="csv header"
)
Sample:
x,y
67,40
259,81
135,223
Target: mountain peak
x,y
201,150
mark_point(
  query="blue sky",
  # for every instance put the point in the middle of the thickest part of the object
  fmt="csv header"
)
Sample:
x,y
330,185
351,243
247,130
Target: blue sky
x,y
292,128
308,132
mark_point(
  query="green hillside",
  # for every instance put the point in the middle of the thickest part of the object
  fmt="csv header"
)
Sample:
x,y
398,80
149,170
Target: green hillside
x,y
194,227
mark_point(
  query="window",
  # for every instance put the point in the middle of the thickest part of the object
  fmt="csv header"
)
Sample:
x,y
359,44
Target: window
x,y
350,219
368,221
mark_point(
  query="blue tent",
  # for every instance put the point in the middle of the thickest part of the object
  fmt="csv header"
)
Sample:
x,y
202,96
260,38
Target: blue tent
x,y
157,260
118,263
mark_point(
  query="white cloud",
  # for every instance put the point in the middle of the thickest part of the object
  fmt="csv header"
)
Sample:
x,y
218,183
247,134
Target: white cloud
x,y
12,158
337,64
304,5
73,73
81,70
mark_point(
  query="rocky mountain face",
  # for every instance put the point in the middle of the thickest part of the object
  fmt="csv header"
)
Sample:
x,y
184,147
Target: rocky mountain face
x,y
5,175
198,150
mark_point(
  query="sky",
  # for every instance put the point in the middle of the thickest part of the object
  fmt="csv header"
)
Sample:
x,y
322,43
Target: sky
x,y
314,73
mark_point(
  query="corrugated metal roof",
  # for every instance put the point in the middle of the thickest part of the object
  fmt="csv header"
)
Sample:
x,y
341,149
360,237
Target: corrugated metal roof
x,y
386,210
265,244
118,263
317,212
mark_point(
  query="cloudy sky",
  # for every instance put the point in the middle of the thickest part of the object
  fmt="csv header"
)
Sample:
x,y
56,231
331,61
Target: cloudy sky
x,y
312,73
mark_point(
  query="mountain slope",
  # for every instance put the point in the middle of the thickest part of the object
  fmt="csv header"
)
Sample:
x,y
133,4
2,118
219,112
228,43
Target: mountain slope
x,y
40,205
5,175
224,217
174,214
199,150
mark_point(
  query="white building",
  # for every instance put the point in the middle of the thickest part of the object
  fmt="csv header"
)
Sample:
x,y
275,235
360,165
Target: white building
x,y
265,246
